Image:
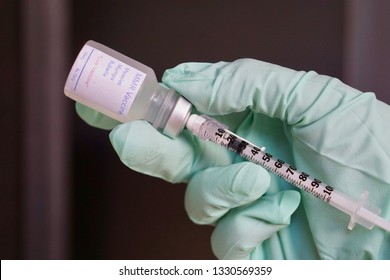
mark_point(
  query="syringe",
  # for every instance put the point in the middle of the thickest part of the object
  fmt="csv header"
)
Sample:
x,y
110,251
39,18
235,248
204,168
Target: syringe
x,y
211,130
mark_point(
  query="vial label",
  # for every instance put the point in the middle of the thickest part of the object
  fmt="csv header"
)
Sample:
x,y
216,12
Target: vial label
x,y
104,80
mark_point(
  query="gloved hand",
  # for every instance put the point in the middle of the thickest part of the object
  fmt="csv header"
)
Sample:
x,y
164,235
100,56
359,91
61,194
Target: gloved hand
x,y
321,125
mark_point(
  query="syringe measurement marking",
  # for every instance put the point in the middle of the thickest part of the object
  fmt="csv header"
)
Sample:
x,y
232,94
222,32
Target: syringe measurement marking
x,y
266,160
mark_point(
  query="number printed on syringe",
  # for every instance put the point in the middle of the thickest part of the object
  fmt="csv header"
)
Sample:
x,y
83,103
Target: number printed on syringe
x,y
277,166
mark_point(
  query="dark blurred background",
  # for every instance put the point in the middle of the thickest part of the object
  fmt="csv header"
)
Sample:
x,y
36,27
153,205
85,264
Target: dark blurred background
x,y
64,194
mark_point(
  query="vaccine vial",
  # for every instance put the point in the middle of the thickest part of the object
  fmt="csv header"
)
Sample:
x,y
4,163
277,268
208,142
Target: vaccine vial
x,y
125,90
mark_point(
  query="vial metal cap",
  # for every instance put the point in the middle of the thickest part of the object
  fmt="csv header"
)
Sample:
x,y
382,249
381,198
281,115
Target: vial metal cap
x,y
178,118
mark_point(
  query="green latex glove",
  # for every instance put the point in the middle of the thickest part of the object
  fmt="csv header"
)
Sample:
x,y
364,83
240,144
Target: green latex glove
x,y
324,127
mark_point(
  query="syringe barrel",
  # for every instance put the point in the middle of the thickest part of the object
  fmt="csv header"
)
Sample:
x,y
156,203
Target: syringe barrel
x,y
359,211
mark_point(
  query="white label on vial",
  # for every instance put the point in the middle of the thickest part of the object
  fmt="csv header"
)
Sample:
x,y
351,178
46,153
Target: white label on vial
x,y
104,80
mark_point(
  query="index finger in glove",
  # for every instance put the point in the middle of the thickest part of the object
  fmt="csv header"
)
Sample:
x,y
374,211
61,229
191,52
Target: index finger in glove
x,y
294,97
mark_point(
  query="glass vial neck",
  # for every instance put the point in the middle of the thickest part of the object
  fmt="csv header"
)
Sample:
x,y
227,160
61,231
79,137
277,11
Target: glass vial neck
x,y
168,111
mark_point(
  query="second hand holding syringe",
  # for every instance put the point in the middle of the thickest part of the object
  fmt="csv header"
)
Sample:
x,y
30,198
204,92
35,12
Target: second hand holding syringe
x,y
360,212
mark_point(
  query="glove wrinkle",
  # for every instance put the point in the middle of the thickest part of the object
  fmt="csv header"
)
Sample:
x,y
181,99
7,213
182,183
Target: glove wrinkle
x,y
211,193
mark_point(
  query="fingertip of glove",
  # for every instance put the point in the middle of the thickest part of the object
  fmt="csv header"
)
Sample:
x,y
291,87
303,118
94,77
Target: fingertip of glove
x,y
291,200
94,118
185,69
255,179
174,74
198,77
144,149
214,191
284,205
132,140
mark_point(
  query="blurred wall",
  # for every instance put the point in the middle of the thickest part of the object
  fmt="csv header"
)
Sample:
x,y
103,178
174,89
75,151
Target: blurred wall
x,y
64,192
367,45
10,118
